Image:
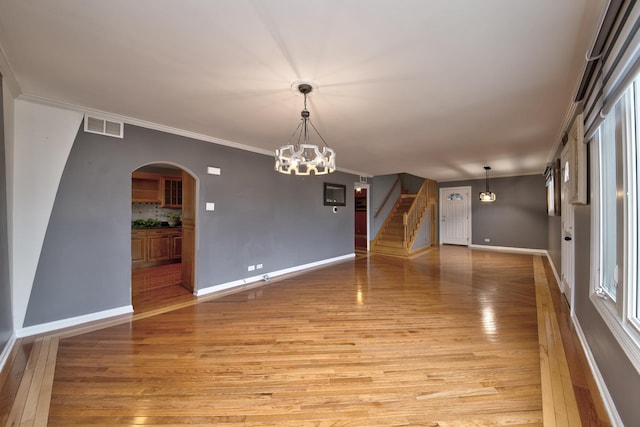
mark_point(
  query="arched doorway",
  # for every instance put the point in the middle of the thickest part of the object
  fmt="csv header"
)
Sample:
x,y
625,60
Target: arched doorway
x,y
162,236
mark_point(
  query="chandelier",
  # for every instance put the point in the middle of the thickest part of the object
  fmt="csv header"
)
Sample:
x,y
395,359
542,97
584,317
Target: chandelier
x,y
300,157
487,196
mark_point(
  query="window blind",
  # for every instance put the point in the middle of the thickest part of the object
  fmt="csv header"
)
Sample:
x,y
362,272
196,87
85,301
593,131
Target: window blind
x,y
615,66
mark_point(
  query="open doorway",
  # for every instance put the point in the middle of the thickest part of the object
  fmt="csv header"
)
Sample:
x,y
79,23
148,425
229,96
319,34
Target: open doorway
x,y
361,221
162,236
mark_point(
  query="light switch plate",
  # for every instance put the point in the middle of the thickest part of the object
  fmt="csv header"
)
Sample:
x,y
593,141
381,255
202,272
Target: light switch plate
x,y
213,171
210,206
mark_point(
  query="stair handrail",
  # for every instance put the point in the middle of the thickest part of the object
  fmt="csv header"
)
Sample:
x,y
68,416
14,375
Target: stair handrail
x,y
413,217
386,199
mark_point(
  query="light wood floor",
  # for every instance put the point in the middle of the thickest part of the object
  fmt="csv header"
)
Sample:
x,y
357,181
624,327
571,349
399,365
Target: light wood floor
x,y
452,337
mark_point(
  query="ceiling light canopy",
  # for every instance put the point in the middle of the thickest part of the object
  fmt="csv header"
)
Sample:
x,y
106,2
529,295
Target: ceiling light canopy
x,y
300,157
487,196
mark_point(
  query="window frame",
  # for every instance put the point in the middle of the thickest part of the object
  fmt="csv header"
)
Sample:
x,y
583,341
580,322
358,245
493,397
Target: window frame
x,y
620,315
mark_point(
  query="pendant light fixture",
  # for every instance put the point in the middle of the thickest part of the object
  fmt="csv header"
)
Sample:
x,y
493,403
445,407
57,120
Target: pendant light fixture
x,y
300,157
487,196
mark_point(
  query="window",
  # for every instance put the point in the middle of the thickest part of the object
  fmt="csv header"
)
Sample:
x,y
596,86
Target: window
x,y
608,196
614,167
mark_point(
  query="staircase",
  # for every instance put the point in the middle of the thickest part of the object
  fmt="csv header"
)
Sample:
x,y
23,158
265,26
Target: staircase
x,y
397,234
391,237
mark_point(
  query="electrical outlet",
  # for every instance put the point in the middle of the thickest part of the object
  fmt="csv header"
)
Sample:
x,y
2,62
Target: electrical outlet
x,y
251,268
487,240
258,267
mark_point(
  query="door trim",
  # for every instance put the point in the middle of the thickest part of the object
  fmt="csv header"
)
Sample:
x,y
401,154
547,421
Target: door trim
x,y
567,251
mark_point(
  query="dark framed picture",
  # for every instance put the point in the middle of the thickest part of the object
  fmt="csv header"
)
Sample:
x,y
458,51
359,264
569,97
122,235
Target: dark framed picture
x,y
335,194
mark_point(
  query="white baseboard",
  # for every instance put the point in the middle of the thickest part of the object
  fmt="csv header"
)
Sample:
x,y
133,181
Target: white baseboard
x,y
609,405
553,267
7,350
101,315
510,249
72,321
270,275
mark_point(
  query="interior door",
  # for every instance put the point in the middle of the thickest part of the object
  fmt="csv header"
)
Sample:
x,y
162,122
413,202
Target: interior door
x,y
188,231
455,215
566,212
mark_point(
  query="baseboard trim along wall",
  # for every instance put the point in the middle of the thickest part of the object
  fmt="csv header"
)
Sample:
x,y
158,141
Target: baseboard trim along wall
x,y
553,267
510,249
72,321
101,315
610,406
7,351
267,276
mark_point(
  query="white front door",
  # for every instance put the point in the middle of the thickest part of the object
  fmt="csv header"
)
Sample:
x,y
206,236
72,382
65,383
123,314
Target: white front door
x,y
455,215
566,213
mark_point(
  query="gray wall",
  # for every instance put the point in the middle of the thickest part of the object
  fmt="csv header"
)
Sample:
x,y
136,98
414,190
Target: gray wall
x,y
411,183
555,240
424,234
518,217
6,322
260,217
379,189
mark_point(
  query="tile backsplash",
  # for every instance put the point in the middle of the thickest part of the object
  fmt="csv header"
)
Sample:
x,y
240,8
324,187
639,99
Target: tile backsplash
x,y
150,210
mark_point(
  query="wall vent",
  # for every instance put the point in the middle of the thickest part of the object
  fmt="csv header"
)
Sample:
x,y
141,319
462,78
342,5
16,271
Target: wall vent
x,y
103,126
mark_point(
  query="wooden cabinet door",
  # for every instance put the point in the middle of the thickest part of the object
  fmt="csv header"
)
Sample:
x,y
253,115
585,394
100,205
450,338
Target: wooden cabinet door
x,y
145,187
171,192
176,247
159,247
138,246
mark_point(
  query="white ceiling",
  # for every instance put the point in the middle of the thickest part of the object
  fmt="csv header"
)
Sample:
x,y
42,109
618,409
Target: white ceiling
x,y
433,88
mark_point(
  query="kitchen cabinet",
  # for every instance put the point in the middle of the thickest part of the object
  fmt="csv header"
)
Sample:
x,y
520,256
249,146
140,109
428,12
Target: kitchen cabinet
x,y
176,247
159,245
171,190
153,188
145,187
138,245
155,246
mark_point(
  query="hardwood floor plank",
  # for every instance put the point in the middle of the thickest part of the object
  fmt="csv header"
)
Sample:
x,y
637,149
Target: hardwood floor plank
x,y
560,407
44,394
33,397
11,376
20,402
